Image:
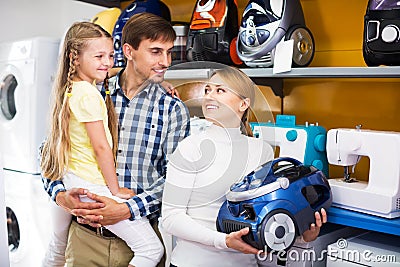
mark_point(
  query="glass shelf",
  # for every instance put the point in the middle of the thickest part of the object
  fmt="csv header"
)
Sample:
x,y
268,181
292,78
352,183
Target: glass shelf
x,y
313,72
265,76
328,72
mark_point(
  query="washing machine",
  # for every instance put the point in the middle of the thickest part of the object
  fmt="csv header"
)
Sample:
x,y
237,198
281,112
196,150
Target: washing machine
x,y
28,218
4,257
27,70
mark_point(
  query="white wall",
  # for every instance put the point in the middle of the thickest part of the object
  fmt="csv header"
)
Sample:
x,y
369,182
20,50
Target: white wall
x,y
22,19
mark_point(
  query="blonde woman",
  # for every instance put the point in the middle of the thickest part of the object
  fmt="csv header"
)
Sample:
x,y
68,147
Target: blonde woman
x,y
202,169
81,147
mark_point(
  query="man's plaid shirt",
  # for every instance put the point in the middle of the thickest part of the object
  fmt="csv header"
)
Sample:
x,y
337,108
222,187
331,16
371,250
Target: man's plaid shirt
x,y
150,127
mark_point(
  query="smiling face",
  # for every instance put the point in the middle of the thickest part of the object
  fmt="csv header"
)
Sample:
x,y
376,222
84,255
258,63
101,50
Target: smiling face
x,y
222,105
150,61
95,59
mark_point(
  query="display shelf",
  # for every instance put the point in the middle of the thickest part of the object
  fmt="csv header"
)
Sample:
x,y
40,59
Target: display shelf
x,y
364,221
314,72
265,76
187,74
327,72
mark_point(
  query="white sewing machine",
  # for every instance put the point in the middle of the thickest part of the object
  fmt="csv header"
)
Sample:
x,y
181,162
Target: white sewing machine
x,y
381,194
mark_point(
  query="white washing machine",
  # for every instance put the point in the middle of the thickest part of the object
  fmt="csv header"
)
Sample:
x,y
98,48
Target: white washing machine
x,y
28,218
4,257
27,70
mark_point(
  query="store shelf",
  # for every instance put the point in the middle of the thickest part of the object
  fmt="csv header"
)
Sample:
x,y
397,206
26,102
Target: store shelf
x,y
327,72
187,74
265,76
364,221
315,72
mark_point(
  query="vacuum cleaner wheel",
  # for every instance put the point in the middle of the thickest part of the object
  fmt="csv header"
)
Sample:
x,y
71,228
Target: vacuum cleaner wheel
x,y
278,230
303,48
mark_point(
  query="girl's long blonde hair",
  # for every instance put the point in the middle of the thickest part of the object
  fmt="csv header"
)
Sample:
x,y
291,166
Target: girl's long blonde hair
x,y
56,149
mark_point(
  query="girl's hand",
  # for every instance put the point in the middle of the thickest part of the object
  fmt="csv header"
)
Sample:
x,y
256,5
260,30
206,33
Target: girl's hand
x,y
170,89
125,193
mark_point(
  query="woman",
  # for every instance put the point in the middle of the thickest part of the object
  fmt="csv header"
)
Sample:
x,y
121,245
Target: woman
x,y
202,169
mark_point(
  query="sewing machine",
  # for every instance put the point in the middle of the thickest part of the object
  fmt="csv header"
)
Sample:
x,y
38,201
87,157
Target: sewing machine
x,y
379,196
306,143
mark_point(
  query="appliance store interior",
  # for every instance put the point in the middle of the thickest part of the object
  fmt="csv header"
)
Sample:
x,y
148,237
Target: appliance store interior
x,y
328,94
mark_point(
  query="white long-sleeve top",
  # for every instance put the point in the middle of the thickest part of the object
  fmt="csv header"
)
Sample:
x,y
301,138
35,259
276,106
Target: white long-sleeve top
x,y
199,174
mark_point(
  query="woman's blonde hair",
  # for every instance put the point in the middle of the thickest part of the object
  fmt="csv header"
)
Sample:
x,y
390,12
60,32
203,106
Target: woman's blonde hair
x,y
243,86
56,149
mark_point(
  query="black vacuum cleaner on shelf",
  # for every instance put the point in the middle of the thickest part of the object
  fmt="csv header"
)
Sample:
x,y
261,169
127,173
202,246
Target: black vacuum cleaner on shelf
x,y
381,44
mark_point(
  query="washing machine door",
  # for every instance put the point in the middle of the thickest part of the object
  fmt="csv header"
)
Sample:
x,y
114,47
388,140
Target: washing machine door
x,y
7,96
14,235
16,90
28,219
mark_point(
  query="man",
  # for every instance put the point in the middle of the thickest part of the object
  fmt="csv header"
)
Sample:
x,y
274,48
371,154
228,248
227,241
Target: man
x,y
151,123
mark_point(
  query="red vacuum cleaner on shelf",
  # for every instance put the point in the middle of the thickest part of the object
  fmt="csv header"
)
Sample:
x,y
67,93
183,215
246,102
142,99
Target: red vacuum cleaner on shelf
x,y
213,32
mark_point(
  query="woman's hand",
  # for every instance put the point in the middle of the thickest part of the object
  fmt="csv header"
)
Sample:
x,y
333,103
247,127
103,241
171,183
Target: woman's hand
x,y
312,233
234,240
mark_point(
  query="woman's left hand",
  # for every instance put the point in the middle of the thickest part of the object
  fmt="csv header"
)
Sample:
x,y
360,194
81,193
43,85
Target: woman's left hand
x,y
312,233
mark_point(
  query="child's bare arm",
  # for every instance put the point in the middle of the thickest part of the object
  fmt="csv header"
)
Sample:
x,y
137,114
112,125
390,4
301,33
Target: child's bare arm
x,y
104,154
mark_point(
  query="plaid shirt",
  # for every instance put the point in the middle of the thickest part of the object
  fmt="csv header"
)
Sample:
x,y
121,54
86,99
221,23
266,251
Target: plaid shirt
x,y
150,127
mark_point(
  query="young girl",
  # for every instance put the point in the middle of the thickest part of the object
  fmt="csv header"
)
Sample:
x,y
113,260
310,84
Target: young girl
x,y
80,149
202,169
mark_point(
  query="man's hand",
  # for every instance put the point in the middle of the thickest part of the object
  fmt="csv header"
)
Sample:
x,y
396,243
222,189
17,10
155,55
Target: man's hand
x,y
111,212
234,240
70,200
312,233
113,71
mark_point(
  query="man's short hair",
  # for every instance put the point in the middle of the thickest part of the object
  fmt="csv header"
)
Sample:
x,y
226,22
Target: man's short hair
x,y
143,26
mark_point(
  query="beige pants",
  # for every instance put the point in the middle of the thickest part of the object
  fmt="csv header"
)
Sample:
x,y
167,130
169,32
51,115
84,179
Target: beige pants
x,y
86,249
